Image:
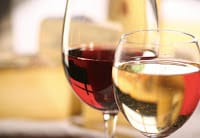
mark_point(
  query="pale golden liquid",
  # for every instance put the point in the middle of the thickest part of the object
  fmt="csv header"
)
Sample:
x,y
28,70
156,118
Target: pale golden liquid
x,y
151,95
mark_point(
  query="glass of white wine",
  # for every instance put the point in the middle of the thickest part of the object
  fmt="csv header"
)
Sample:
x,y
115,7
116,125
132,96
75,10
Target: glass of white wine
x,y
156,75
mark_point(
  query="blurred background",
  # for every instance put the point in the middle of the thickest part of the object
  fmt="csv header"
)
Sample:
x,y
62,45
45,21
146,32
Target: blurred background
x,y
35,98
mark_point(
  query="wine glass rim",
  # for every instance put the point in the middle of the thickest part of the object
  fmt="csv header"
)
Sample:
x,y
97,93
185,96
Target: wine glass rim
x,y
126,35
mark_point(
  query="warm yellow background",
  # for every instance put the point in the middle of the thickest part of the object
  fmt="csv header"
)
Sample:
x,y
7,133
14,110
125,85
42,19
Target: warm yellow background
x,y
42,91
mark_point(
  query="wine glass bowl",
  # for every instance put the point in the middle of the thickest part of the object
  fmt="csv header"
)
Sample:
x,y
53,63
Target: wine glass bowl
x,y
156,75
88,70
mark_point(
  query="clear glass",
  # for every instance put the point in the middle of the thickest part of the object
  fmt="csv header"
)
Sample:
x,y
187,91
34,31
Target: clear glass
x,y
89,41
156,75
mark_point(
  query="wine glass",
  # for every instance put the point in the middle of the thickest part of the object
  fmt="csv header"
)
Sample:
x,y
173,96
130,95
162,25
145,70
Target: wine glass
x,y
156,75
87,53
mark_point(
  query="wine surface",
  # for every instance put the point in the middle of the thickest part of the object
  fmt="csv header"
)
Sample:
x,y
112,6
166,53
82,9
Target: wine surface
x,y
89,71
157,97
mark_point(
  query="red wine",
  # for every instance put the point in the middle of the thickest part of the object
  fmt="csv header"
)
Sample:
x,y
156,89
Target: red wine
x,y
89,71
157,97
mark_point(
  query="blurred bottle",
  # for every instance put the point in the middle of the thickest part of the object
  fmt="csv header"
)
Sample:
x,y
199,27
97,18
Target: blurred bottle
x,y
135,14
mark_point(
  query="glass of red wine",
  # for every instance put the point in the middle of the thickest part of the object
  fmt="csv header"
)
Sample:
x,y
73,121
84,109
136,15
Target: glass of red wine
x,y
156,75
87,53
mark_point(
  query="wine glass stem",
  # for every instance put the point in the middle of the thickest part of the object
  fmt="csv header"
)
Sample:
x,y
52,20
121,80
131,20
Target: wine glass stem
x,y
110,122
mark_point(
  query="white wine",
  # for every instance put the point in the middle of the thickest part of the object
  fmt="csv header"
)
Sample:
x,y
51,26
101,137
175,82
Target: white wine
x,y
157,97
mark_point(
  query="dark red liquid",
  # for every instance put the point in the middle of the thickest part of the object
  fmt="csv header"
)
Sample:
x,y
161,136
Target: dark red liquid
x,y
89,70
